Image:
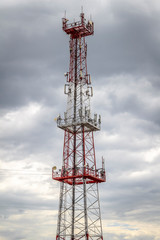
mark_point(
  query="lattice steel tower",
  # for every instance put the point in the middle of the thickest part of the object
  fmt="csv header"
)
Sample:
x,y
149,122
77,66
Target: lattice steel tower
x,y
79,209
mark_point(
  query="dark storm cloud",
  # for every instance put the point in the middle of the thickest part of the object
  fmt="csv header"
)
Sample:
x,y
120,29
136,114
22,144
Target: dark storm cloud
x,y
128,40
31,55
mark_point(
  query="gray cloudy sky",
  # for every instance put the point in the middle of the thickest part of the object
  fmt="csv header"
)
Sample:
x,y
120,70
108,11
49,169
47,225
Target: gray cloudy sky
x,y
123,59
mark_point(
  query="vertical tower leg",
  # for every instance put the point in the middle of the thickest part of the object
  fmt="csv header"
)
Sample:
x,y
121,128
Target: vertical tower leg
x,y
85,209
61,225
74,146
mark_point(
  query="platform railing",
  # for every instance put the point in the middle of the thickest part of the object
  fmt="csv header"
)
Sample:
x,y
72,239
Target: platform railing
x,y
89,26
69,122
79,172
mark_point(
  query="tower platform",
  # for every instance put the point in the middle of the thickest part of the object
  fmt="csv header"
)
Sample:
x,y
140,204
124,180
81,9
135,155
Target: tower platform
x,y
78,174
69,125
79,28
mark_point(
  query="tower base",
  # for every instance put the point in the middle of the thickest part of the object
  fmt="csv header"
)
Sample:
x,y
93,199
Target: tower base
x,y
86,222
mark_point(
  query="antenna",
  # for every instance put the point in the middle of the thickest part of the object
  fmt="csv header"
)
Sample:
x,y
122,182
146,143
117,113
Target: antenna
x,y
81,9
103,162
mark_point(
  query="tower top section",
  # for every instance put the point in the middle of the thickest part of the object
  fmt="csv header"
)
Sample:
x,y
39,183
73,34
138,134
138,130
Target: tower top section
x,y
78,29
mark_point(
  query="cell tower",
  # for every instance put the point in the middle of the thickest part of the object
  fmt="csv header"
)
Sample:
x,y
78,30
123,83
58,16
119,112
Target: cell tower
x,y
79,208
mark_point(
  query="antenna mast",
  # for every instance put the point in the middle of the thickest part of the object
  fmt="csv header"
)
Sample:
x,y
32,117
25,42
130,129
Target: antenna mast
x,y
79,208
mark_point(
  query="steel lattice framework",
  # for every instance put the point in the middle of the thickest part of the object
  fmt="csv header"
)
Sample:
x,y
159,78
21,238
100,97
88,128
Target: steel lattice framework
x,y
79,209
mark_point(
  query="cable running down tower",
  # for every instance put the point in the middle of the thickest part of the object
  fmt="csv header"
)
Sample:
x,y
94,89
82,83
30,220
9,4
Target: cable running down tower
x,y
79,209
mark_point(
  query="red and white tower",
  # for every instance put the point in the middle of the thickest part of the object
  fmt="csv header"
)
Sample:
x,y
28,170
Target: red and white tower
x,y
79,209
